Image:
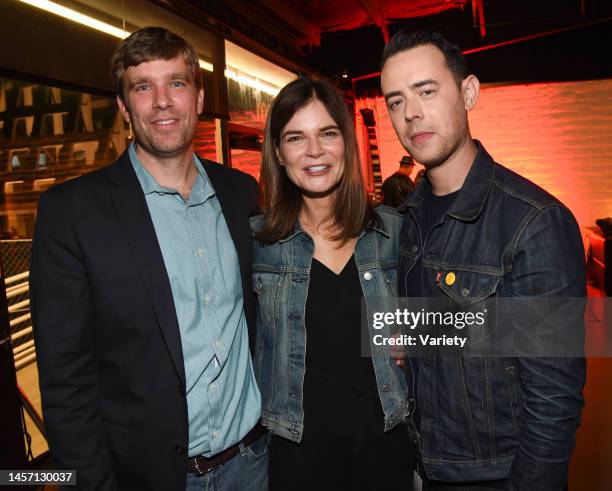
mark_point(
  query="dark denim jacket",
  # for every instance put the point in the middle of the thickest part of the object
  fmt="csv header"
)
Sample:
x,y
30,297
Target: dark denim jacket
x,y
496,418
281,273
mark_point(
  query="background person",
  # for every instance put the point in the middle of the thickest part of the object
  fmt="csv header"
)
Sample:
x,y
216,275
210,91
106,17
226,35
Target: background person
x,y
396,189
406,165
321,247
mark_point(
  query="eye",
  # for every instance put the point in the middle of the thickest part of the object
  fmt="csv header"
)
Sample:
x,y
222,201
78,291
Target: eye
x,y
393,104
142,88
177,84
330,133
293,138
427,92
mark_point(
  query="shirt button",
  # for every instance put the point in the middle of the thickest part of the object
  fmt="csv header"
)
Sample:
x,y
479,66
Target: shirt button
x,y
385,388
206,299
415,249
200,252
218,342
465,292
367,276
215,434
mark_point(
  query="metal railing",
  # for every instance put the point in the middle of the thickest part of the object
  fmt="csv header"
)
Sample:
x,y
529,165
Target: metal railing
x,y
15,263
24,351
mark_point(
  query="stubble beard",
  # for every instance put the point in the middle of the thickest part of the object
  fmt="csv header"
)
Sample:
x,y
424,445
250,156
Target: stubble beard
x,y
446,150
169,150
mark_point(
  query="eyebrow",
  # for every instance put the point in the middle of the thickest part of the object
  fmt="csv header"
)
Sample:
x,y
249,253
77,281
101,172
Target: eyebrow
x,y
180,75
138,81
392,94
415,85
299,132
172,76
421,83
330,127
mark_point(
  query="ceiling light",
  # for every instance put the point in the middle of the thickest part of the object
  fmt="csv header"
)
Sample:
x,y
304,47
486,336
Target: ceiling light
x,y
77,17
252,82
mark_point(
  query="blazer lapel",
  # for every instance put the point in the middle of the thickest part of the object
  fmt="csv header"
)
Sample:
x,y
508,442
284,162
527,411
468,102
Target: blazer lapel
x,y
134,215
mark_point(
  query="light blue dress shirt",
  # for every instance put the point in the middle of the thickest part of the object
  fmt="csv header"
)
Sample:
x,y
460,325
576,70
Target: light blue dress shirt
x,y
223,400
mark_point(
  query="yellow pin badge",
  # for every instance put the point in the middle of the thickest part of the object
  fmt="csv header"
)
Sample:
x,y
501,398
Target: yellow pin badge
x,y
450,278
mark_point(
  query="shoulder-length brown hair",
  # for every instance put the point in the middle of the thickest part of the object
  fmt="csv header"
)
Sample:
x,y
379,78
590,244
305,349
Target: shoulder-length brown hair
x,y
282,200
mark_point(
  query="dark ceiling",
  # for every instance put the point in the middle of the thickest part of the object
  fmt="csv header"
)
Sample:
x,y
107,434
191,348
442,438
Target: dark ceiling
x,y
547,40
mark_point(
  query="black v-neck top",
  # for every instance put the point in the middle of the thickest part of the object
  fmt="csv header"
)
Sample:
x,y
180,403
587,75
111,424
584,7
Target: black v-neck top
x,y
333,324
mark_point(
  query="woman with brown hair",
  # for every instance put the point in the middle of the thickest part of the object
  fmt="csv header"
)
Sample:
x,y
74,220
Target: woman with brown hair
x,y
321,248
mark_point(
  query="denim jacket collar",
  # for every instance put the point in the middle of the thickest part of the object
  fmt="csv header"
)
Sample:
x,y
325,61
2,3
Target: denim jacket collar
x,y
376,224
473,194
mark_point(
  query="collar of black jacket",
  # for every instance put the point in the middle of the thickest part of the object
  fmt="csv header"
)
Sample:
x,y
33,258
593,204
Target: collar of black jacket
x,y
473,194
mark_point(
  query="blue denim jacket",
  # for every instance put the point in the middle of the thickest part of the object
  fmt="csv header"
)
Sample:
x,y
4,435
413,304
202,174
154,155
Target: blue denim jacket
x,y
281,273
496,418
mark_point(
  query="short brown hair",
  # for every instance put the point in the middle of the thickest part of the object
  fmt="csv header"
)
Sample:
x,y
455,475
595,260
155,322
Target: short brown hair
x,y
282,200
406,39
148,44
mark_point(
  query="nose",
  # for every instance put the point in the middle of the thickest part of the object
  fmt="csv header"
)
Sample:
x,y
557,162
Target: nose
x,y
161,99
314,149
412,110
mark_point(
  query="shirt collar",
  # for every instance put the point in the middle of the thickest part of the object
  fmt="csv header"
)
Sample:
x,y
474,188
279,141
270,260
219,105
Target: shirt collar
x,y
473,194
202,187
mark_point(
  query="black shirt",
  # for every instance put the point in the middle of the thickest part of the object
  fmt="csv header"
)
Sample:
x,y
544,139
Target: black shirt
x,y
333,323
432,212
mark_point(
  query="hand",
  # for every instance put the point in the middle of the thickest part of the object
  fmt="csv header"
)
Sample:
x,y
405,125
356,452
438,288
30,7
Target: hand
x,y
398,353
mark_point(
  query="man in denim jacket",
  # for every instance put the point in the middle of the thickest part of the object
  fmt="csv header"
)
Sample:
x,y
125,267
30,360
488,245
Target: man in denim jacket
x,y
472,230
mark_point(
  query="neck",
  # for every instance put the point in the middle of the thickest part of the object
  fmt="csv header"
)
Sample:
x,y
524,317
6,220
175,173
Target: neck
x,y
177,172
316,213
449,176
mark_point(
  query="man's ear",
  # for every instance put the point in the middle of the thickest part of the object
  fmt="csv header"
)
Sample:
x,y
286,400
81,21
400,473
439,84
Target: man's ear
x,y
200,102
124,110
470,88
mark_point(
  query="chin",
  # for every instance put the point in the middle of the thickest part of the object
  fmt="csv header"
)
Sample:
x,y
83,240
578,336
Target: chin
x,y
318,192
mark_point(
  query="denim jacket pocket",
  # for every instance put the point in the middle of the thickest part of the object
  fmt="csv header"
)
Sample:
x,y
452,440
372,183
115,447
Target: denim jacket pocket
x,y
469,290
266,286
467,287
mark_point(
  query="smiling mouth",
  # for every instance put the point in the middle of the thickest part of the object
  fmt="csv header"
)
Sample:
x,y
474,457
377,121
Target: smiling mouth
x,y
316,169
164,122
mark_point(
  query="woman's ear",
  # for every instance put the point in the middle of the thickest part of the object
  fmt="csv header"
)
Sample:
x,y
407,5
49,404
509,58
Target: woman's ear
x,y
278,156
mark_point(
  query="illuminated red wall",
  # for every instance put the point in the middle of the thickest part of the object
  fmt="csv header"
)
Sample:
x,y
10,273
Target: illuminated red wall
x,y
558,134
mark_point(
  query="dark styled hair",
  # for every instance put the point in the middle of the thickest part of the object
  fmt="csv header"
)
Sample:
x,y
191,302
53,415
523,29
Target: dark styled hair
x,y
406,39
396,189
148,44
282,200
